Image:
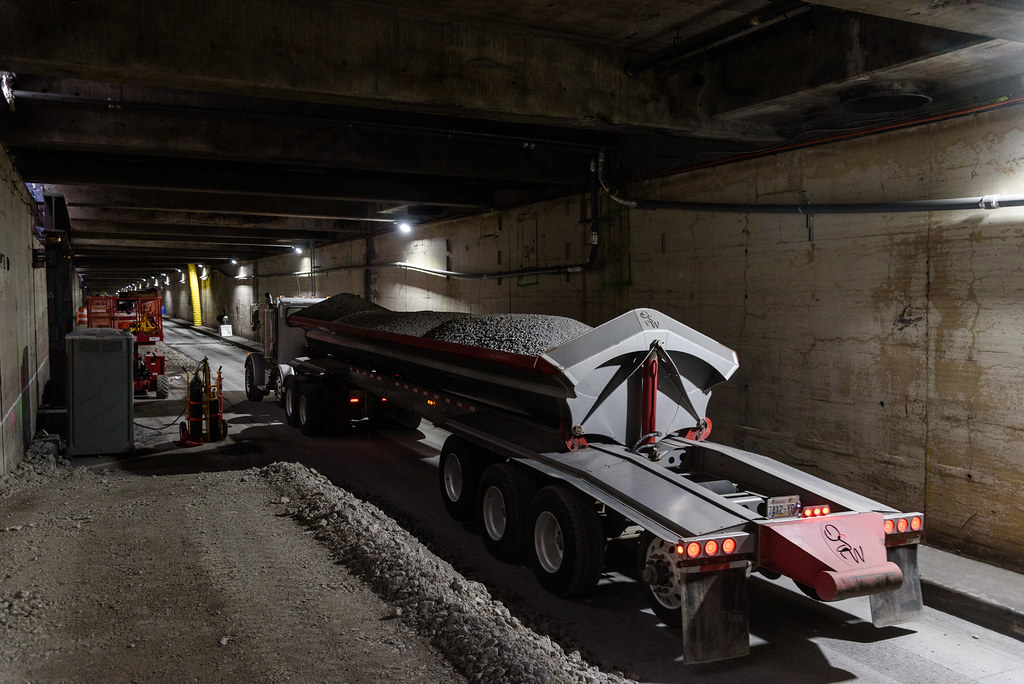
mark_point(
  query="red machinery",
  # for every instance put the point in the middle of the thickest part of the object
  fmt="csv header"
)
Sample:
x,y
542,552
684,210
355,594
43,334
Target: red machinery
x,y
142,316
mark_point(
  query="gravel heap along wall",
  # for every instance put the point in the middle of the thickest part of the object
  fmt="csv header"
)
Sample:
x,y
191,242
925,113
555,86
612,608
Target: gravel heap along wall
x,y
475,633
529,334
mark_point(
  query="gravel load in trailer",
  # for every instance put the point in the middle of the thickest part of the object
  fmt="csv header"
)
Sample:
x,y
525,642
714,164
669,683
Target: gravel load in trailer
x,y
566,438
412,323
527,334
338,306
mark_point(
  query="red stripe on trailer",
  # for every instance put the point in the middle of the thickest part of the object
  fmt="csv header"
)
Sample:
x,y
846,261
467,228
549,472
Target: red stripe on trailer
x,y
521,362
413,389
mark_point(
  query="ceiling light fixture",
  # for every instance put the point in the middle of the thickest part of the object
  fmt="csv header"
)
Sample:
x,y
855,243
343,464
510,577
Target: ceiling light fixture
x,y
298,250
405,227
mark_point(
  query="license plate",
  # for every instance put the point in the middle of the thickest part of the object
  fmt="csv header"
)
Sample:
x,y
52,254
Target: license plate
x,y
782,506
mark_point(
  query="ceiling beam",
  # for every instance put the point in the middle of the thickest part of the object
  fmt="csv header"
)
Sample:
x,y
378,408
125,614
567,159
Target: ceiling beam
x,y
71,168
288,139
85,217
822,48
336,52
991,18
80,197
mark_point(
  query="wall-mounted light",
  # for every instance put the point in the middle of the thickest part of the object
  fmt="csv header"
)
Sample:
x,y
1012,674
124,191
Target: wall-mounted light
x,y
404,227
234,262
298,250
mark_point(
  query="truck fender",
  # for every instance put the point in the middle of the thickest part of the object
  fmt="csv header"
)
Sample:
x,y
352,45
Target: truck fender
x,y
285,372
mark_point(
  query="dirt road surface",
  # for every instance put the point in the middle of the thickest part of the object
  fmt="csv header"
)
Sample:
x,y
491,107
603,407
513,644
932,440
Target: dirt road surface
x,y
186,578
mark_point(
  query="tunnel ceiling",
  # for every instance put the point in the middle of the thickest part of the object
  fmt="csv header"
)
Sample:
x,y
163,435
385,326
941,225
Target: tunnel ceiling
x,y
204,132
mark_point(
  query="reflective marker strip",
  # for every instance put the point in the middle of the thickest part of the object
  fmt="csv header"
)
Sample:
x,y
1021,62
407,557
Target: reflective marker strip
x,y
415,390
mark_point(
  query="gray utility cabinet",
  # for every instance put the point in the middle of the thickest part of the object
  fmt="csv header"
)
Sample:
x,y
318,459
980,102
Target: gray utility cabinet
x,y
100,391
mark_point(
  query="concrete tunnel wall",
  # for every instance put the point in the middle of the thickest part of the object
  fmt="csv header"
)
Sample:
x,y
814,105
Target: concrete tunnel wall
x,y
24,341
884,352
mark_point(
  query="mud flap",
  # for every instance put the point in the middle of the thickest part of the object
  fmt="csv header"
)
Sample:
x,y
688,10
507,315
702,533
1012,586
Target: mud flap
x,y
905,603
715,624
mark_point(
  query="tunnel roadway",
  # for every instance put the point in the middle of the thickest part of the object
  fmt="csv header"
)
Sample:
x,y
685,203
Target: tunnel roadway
x,y
792,637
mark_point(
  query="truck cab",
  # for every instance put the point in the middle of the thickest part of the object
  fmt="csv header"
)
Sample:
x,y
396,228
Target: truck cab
x,y
266,371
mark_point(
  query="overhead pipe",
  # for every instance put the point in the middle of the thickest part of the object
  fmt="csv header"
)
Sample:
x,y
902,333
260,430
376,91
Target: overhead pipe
x,y
808,208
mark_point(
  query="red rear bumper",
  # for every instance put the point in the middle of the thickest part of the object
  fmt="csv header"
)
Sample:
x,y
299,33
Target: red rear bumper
x,y
839,556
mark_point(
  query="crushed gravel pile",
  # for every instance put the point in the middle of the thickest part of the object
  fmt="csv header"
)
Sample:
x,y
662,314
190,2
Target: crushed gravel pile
x,y
174,360
338,306
413,323
529,334
477,634
44,460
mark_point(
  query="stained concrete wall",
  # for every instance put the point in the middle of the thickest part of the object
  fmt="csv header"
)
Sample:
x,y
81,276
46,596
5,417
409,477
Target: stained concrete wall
x,y
24,362
879,351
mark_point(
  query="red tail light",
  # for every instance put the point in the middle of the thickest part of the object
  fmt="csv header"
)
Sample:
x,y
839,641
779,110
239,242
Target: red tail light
x,y
816,511
711,547
910,524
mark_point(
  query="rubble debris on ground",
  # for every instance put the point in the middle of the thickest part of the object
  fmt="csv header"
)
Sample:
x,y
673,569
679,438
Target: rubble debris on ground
x,y
44,458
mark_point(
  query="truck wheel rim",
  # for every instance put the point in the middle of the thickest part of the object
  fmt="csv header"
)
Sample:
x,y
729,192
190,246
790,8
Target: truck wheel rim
x,y
548,542
493,513
303,411
452,478
667,591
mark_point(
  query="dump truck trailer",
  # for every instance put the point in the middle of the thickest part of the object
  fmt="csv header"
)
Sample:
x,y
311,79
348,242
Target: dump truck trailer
x,y
600,438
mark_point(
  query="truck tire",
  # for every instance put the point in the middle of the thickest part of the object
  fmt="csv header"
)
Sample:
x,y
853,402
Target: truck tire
x,y
279,393
291,403
311,409
163,387
252,392
503,499
459,474
567,552
658,580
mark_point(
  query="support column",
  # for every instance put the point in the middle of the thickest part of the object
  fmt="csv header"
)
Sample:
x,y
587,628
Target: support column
x,y
193,283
